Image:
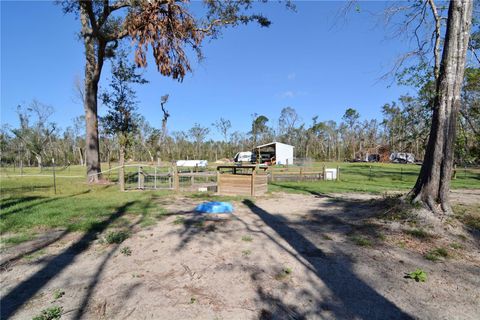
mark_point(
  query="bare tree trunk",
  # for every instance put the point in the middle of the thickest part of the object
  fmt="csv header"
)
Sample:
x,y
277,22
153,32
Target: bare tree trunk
x,y
433,183
39,161
94,52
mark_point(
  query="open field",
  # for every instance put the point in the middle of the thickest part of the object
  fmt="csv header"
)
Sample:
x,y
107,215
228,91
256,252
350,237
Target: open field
x,y
285,256
325,249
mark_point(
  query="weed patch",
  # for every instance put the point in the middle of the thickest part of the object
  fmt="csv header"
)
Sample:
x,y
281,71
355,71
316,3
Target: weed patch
x,y
52,313
116,236
418,275
126,251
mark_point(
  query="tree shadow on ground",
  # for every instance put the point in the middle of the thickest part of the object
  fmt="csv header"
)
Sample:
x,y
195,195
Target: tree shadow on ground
x,y
25,290
357,298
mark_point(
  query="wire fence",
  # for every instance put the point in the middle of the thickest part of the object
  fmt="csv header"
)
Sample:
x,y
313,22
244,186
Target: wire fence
x,y
151,177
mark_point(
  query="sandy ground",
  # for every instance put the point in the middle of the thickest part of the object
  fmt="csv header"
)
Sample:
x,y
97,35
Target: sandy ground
x,y
288,256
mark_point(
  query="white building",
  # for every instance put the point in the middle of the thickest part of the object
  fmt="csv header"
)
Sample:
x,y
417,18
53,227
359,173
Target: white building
x,y
280,153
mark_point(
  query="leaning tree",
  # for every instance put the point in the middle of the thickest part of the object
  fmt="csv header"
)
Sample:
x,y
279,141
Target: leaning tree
x,y
167,26
433,183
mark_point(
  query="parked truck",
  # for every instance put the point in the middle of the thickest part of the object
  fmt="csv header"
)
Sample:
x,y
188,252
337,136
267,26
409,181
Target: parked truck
x,y
245,157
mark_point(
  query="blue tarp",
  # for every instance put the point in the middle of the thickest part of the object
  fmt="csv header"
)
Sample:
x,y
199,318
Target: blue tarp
x,y
215,207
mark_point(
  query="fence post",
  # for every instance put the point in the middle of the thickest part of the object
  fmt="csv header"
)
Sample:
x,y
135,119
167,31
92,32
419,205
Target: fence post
x,y
176,178
401,173
324,173
141,184
21,167
54,177
155,179
170,180
370,173
338,173
192,177
454,177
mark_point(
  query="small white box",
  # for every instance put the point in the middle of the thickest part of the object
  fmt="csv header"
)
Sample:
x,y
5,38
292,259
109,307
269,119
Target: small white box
x,y
331,174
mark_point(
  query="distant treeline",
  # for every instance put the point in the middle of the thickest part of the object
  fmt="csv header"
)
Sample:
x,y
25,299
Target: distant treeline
x,y
404,128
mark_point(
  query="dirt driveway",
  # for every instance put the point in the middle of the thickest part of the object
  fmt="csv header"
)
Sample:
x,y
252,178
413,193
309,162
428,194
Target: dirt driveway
x,y
288,256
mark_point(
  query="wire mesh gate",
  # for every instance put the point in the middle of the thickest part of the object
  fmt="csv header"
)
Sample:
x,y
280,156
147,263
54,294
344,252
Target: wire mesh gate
x,y
146,177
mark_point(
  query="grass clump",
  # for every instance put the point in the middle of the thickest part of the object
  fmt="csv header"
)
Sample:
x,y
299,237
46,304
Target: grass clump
x,y
126,251
57,294
361,241
419,233
247,238
52,313
437,254
418,275
116,236
456,245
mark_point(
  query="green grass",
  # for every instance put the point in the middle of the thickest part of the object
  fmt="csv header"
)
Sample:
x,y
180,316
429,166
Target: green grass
x,y
419,233
355,177
29,205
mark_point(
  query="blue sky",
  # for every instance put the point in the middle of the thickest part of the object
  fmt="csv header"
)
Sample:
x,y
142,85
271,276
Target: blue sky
x,y
307,59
